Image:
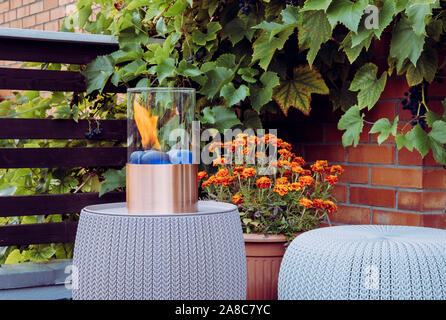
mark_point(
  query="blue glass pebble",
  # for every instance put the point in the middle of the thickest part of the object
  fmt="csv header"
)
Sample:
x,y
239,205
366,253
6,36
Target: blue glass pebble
x,y
155,157
180,156
135,157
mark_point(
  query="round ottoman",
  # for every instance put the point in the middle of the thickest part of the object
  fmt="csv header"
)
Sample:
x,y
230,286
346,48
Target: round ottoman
x,y
365,262
171,256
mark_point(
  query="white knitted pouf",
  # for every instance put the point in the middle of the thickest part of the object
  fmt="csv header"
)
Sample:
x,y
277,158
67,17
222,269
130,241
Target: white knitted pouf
x,y
172,256
365,262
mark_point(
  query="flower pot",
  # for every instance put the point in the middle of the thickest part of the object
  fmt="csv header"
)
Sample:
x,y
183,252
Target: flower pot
x,y
263,257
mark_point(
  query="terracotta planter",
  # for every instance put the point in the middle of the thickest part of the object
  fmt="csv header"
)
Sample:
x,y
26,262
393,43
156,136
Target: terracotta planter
x,y
263,257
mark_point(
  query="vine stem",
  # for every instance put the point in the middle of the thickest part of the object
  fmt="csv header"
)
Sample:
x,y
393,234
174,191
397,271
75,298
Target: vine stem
x,y
84,183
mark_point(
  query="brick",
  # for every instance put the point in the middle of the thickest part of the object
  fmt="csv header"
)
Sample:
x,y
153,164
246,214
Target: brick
x,y
373,197
15,4
43,17
4,6
329,153
372,154
396,218
434,220
29,1
23,11
69,9
11,15
29,21
51,26
16,24
430,161
383,109
437,89
63,2
409,158
351,215
395,88
2,18
355,174
36,7
434,200
339,192
397,177
57,13
410,200
50,4
434,179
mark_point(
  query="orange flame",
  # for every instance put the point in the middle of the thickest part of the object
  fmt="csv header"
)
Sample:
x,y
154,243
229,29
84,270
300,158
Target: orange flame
x,y
146,124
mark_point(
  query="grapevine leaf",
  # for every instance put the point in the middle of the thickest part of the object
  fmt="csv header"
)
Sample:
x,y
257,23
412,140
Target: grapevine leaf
x,y
314,30
165,69
252,120
438,132
232,95
247,74
353,52
425,69
439,152
98,72
176,9
420,140
264,49
216,79
297,92
369,87
405,44
225,118
404,141
113,179
5,107
385,128
188,69
431,117
347,12
417,14
235,31
208,116
352,122
385,17
316,5
261,95
14,257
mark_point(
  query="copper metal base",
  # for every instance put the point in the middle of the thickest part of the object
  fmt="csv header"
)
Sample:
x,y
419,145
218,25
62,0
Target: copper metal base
x,y
162,188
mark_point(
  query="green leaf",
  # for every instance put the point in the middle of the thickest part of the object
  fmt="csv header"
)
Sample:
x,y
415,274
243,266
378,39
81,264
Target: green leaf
x,y
84,12
14,257
232,95
431,117
420,140
439,152
208,116
405,43
5,107
235,31
98,72
385,17
161,27
417,15
425,69
316,5
138,3
113,179
226,60
187,69
201,38
384,127
225,118
314,29
297,92
353,52
347,12
438,132
352,122
216,79
248,74
176,9
404,141
261,95
264,49
39,253
165,69
369,87
29,220
252,120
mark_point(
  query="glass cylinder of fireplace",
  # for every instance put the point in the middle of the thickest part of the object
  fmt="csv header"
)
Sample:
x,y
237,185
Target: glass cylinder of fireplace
x,y
161,127
163,151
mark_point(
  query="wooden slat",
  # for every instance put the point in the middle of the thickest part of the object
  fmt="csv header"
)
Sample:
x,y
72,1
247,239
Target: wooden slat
x,y
62,157
46,51
47,80
37,233
43,204
60,129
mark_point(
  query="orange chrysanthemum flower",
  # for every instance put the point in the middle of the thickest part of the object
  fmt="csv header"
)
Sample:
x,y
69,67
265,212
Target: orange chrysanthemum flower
x,y
330,206
202,175
238,169
281,189
283,163
237,199
307,203
306,181
295,186
286,145
208,182
263,183
322,163
222,172
336,169
296,168
318,203
318,168
282,180
300,161
219,162
215,145
228,181
331,179
285,153
249,172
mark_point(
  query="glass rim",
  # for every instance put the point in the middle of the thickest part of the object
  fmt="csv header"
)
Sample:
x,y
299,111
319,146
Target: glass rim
x,y
154,89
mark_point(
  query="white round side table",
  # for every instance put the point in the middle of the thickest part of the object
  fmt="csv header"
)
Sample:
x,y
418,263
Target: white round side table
x,y
167,256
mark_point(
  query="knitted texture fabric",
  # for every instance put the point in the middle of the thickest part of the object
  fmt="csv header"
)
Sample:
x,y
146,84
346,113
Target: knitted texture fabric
x,y
177,256
365,263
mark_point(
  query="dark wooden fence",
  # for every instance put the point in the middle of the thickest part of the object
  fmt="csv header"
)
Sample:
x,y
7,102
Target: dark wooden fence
x,y
37,46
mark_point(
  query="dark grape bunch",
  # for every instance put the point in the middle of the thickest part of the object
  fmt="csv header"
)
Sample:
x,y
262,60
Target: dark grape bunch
x,y
190,59
291,2
91,134
245,6
413,103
